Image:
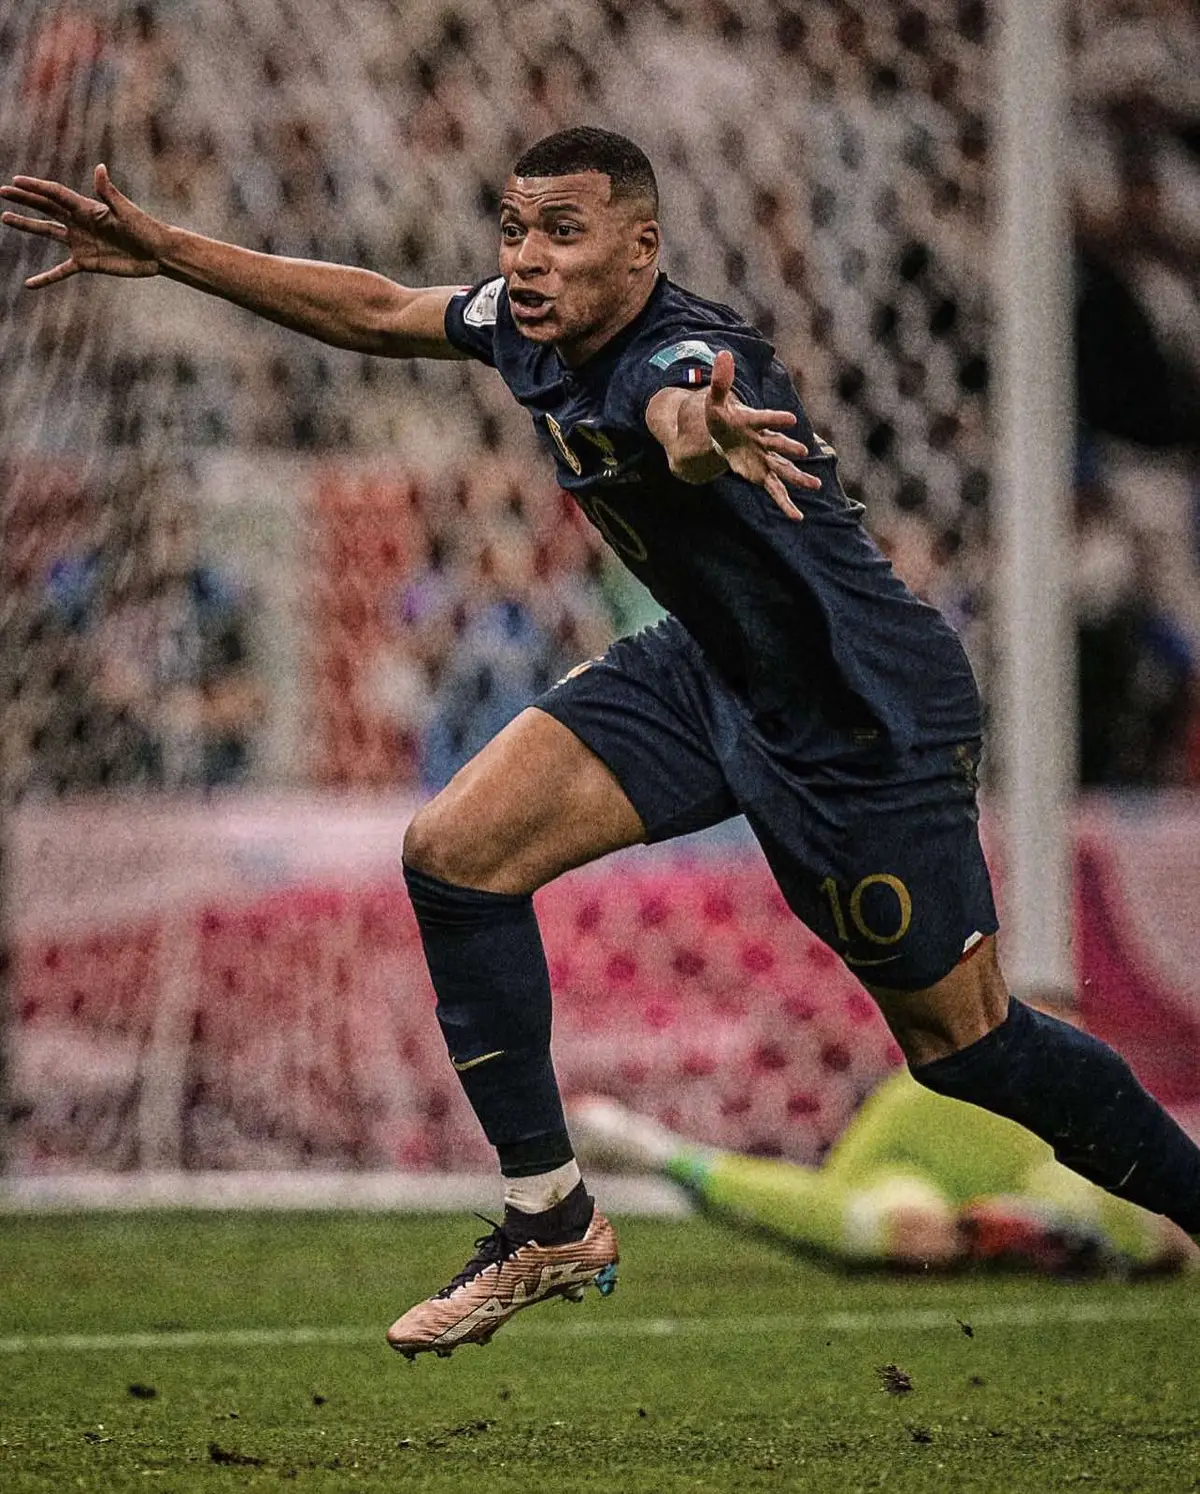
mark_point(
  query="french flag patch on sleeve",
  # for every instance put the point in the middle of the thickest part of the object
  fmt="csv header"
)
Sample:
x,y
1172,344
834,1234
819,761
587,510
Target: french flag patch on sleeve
x,y
694,376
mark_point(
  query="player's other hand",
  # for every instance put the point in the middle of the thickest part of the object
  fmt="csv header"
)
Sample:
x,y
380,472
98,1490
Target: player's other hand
x,y
104,235
752,441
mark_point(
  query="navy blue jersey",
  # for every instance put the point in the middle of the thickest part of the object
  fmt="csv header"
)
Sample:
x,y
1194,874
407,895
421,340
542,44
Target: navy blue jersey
x,y
806,622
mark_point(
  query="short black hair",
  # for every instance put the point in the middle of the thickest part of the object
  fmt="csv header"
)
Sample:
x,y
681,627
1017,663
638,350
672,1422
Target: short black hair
x,y
586,148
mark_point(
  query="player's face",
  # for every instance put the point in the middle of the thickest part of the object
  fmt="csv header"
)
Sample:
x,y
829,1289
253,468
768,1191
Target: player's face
x,y
578,265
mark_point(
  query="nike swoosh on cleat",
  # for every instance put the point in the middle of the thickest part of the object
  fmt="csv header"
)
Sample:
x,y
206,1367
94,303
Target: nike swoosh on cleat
x,y
473,1063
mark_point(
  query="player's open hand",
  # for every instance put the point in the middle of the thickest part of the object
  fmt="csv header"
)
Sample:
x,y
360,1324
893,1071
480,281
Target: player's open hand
x,y
752,441
104,235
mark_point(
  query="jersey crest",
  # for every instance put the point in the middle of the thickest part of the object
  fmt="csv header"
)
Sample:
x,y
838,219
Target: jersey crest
x,y
597,438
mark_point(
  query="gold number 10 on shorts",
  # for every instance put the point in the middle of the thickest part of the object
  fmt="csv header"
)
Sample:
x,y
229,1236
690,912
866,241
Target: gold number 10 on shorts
x,y
877,879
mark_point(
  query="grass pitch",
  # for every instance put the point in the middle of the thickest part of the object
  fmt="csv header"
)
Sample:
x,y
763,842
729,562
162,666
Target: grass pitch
x,y
227,1352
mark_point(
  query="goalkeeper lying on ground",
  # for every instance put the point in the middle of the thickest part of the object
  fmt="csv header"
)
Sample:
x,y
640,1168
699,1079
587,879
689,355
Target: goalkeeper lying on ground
x,y
915,1179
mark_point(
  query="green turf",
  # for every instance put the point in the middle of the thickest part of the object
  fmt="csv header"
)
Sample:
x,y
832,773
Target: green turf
x,y
572,1398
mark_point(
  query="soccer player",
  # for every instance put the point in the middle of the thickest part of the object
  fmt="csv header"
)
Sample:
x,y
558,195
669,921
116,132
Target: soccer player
x,y
796,680
915,1180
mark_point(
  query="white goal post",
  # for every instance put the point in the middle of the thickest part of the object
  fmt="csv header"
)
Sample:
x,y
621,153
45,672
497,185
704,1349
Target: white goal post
x,y
1035,698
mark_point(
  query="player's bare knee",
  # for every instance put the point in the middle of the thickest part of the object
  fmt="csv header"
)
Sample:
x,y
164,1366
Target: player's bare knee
x,y
434,845
944,1018
936,1031
449,839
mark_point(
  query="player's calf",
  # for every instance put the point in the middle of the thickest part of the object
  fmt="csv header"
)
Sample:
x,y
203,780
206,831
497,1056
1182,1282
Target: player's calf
x,y
1082,1098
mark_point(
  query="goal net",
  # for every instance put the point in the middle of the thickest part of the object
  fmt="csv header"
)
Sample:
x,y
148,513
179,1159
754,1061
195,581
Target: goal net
x,y
246,578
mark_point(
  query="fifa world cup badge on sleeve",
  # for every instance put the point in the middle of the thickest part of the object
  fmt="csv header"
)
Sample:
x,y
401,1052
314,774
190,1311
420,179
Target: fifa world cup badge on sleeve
x,y
485,304
692,348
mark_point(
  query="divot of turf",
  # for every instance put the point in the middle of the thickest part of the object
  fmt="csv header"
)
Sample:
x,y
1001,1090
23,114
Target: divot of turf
x,y
895,1380
219,1454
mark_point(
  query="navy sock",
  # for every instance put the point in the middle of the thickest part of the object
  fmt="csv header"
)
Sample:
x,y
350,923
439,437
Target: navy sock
x,y
567,1220
488,968
1079,1095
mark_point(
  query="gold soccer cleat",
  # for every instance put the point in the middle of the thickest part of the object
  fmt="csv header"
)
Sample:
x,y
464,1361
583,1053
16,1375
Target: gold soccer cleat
x,y
501,1278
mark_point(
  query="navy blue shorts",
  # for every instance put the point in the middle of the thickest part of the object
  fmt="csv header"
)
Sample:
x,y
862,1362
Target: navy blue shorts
x,y
878,852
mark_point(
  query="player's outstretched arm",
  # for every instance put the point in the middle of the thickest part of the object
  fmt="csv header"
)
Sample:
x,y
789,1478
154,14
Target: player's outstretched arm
x,y
708,431
338,304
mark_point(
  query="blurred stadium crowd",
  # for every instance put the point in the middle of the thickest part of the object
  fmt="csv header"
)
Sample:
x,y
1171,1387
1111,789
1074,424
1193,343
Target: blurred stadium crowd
x,y
824,167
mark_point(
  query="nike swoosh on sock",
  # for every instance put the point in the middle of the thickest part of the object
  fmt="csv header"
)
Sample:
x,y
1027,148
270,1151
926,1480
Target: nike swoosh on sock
x,y
473,1063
